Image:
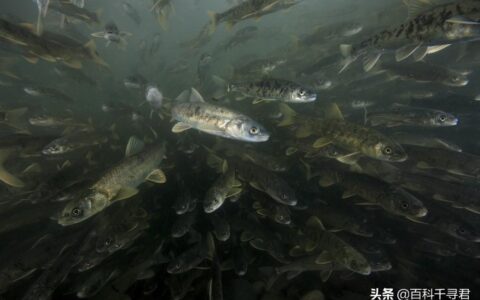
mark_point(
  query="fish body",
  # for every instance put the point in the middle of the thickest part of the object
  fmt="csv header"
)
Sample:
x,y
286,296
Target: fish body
x,y
69,9
412,116
119,182
448,23
393,199
217,120
349,136
426,72
274,90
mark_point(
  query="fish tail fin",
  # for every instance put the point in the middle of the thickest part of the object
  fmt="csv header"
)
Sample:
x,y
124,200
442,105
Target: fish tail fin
x,y
213,21
6,176
15,118
347,52
288,115
221,87
92,49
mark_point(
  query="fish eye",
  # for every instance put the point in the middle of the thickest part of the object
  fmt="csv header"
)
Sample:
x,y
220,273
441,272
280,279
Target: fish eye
x,y
76,212
302,92
387,150
461,230
253,130
405,205
108,242
442,118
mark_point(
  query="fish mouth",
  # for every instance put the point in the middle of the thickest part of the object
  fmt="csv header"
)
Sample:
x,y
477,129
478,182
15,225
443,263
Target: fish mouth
x,y
459,83
422,212
398,158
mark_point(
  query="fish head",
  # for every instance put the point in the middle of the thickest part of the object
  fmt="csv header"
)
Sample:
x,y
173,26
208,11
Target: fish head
x,y
462,231
177,265
405,204
282,217
57,147
282,193
83,207
444,119
91,261
213,200
111,29
302,95
389,151
246,129
456,80
154,97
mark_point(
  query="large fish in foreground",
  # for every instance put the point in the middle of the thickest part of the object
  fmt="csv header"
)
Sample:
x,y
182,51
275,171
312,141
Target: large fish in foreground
x,y
428,29
215,120
118,183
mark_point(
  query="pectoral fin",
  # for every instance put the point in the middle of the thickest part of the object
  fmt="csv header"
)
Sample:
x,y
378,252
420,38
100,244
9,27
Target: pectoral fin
x,y
348,194
180,127
125,193
6,176
157,176
321,142
404,52
234,191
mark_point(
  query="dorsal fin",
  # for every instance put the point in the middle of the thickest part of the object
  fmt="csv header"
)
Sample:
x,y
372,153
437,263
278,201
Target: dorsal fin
x,y
333,112
134,146
416,7
183,96
314,222
195,96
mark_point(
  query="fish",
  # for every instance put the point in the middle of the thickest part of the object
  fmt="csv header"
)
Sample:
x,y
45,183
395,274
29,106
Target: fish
x,y
215,120
112,34
270,89
71,10
162,9
335,130
38,91
118,183
247,9
425,72
456,163
398,201
73,142
184,224
154,97
336,249
225,186
192,257
428,25
400,115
